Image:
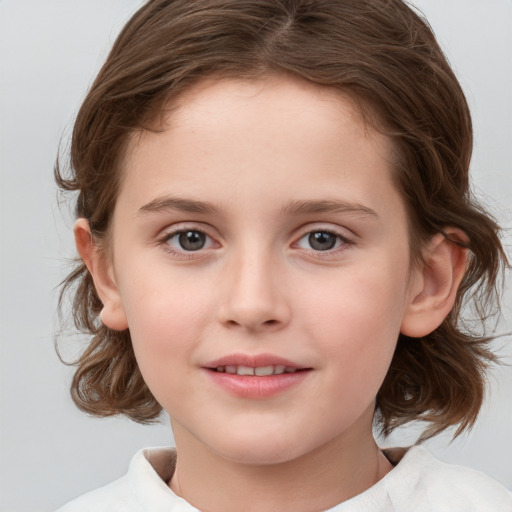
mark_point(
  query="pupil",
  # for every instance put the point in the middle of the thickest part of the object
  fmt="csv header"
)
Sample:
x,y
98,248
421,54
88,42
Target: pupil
x,y
321,241
192,240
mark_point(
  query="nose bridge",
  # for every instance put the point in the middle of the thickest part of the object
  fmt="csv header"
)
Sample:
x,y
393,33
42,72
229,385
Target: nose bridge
x,y
253,295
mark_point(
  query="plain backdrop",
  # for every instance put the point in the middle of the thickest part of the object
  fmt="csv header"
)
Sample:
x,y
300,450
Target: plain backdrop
x,y
50,52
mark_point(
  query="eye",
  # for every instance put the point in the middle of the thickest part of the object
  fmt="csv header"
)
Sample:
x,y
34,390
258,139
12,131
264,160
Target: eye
x,y
321,241
188,240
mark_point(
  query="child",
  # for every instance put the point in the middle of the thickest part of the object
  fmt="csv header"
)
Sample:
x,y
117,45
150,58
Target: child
x,y
277,237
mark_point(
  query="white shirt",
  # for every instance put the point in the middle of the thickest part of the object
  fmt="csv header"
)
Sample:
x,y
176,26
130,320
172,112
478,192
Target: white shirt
x,y
418,483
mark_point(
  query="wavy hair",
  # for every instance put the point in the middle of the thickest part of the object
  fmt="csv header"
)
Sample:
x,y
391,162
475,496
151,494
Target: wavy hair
x,y
382,54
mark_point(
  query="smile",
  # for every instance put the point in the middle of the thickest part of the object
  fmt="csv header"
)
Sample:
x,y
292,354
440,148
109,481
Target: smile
x,y
256,377
259,371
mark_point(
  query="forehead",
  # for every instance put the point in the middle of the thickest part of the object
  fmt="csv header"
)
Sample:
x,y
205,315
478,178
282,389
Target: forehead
x,y
287,135
251,103
217,93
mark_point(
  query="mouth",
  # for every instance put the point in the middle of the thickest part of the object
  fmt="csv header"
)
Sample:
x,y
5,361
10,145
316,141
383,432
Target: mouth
x,y
257,371
259,365
256,376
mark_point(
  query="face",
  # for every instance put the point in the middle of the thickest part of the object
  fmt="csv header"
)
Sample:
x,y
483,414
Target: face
x,y
261,258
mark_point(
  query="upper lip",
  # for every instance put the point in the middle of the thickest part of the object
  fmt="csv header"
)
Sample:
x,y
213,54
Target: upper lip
x,y
252,361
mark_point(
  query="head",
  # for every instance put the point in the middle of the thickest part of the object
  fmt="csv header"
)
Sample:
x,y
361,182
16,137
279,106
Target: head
x,y
380,61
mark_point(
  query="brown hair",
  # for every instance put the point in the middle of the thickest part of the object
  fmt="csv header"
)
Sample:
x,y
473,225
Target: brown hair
x,y
386,58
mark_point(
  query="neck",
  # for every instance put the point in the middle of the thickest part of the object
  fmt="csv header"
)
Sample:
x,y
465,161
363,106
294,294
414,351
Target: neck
x,y
319,480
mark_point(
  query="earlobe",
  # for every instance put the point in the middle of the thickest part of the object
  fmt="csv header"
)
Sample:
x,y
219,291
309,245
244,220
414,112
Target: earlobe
x,y
112,314
434,285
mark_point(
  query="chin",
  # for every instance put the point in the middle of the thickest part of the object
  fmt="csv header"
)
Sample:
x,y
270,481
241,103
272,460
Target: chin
x,y
259,452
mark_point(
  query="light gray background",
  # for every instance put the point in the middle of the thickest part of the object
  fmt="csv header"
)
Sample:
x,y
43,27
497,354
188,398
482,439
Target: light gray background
x,y
50,52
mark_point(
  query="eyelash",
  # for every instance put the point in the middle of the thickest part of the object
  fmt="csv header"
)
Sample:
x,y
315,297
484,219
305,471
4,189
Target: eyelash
x,y
342,242
182,253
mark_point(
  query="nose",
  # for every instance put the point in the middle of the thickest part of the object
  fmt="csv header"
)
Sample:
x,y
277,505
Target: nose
x,y
253,296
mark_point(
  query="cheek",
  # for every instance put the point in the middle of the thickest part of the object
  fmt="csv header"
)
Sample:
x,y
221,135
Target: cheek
x,y
165,326
161,344
357,322
368,304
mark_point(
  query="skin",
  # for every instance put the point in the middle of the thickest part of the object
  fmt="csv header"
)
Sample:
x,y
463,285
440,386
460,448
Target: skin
x,y
249,151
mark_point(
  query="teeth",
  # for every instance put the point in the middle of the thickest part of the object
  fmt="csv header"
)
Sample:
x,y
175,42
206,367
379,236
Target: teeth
x,y
264,370
260,371
245,370
279,369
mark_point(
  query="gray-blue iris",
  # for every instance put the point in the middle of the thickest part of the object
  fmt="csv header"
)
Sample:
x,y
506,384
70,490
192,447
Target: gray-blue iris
x,y
192,240
322,241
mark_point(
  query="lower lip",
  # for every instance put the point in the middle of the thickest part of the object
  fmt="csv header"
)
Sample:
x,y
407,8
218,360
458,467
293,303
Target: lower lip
x,y
257,387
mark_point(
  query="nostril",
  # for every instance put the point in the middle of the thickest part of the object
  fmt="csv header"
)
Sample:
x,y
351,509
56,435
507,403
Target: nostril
x,y
253,324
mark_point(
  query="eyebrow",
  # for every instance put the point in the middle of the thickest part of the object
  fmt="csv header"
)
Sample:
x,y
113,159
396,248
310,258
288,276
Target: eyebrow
x,y
296,207
327,206
178,204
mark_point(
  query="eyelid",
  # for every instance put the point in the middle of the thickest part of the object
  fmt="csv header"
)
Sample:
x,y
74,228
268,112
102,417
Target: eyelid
x,y
342,234
346,237
176,229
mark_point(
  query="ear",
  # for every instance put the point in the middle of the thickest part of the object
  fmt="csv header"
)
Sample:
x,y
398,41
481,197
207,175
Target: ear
x,y
434,285
101,270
